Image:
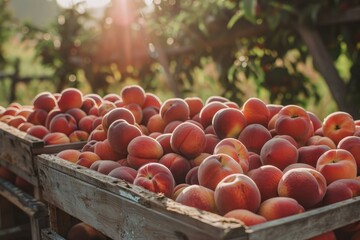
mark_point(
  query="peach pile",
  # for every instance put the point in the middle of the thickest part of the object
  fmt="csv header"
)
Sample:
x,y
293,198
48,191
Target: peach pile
x,y
256,162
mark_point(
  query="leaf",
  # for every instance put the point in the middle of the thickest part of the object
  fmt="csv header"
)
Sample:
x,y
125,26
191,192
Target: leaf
x,y
248,7
239,14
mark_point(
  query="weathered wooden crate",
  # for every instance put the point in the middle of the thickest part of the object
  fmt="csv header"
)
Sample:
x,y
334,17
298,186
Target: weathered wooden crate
x,y
17,151
125,211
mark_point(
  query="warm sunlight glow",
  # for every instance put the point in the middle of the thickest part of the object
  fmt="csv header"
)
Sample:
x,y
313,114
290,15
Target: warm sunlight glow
x,y
87,4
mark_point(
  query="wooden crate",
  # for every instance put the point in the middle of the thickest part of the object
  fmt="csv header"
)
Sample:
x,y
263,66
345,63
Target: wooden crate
x,y
125,211
17,151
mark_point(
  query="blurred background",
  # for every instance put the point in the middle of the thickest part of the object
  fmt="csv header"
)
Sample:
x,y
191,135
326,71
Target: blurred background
x,y
282,51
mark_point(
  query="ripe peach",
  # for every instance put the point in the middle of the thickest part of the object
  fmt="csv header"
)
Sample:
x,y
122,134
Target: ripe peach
x,y
84,231
55,138
294,121
178,165
211,141
352,144
247,217
70,98
78,136
96,97
316,122
112,97
64,123
151,100
199,159
234,119
178,189
105,166
192,176
297,165
278,152
148,112
237,191
120,134
170,127
336,164
136,110
142,150
340,190
77,113
216,99
256,111
289,138
104,150
45,101
324,236
235,149
199,197
174,109
254,161
88,103
164,140
267,178
105,107
321,140
307,186
24,127
25,112
87,158
70,155
115,114
188,140
279,207
310,154
98,134
15,121
208,111
86,123
50,116
12,111
254,144
155,177
195,105
133,94
126,173
38,131
338,125
156,123
216,167
273,109
38,117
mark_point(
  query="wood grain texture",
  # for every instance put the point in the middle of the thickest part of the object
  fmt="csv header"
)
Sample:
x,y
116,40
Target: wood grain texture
x,y
124,211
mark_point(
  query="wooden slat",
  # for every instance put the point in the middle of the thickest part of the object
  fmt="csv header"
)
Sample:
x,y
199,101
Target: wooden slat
x,y
118,209
60,221
49,234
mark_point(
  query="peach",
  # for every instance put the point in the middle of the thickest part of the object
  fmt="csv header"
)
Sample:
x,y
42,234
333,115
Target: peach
x,y
340,190
16,121
136,110
164,140
254,144
247,217
12,111
254,161
195,105
273,109
70,155
78,136
192,176
216,99
25,112
87,158
88,103
89,146
199,159
24,127
142,150
64,123
126,173
310,154
156,123
352,144
38,117
115,114
120,134
170,127
279,207
199,197
104,150
237,191
267,178
45,101
84,231
50,116
294,121
155,177
111,97
256,111
236,150
188,140
86,123
336,164
289,138
338,125
56,138
133,94
278,152
208,111
178,165
151,100
119,103
96,97
231,104
211,141
316,122
216,167
77,113
234,119
298,165
70,98
38,131
307,186
324,236
105,107
178,189
174,109
98,134
321,140
94,111
105,166
148,112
